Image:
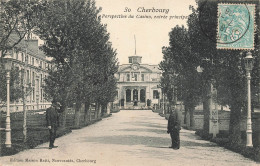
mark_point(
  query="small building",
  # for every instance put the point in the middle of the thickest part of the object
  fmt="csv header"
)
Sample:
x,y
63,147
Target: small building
x,y
138,84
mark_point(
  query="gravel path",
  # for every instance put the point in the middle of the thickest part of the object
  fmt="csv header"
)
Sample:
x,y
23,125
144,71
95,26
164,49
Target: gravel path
x,y
127,138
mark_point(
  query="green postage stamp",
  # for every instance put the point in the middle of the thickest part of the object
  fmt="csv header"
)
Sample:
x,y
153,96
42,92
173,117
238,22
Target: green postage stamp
x,y
236,25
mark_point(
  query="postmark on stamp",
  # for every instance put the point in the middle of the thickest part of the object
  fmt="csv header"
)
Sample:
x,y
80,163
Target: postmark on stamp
x,y
236,24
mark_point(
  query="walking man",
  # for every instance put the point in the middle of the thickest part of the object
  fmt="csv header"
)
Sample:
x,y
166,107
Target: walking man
x,y
174,125
52,121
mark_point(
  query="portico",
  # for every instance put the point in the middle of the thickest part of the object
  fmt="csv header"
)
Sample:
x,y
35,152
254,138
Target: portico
x,y
137,84
135,95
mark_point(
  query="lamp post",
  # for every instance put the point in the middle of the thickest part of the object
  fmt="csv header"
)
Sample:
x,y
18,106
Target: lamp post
x,y
249,67
8,67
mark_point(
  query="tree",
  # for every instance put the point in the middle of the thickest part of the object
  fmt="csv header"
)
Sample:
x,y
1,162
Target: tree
x,y
224,66
84,60
17,19
179,70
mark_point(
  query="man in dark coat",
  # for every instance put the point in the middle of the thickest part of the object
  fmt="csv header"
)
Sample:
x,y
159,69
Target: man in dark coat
x,y
52,121
174,126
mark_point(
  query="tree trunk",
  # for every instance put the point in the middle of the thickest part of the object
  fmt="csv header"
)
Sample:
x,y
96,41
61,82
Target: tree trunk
x,y
96,110
87,113
234,124
187,117
77,115
24,120
192,121
206,116
24,108
206,108
64,116
103,110
99,110
90,112
109,105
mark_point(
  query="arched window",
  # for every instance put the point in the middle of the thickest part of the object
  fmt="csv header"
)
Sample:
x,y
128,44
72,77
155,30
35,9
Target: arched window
x,y
142,95
128,95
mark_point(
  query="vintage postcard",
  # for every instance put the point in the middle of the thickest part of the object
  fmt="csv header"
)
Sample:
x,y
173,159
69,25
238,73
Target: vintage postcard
x,y
129,82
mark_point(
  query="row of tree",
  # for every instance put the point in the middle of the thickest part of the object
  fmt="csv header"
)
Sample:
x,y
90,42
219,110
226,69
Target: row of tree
x,y
84,59
194,48
78,43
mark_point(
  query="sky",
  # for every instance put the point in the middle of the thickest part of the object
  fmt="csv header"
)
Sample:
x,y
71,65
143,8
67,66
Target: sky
x,y
151,33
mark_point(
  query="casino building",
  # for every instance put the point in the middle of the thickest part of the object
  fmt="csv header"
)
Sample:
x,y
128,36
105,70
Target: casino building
x,y
138,84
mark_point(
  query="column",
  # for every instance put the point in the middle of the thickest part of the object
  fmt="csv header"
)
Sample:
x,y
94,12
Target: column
x,y
139,95
249,120
132,95
125,98
259,40
8,143
119,96
146,95
108,108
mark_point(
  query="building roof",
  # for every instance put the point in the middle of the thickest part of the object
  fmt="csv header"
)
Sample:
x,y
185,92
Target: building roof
x,y
31,45
152,68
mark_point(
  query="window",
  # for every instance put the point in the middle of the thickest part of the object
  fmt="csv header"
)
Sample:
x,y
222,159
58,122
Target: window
x,y
135,77
27,59
142,95
128,95
116,95
16,53
32,61
128,77
41,95
155,94
41,80
130,60
28,76
33,82
33,92
142,77
22,57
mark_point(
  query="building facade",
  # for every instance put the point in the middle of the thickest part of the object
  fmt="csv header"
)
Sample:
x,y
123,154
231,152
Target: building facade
x,y
138,84
33,69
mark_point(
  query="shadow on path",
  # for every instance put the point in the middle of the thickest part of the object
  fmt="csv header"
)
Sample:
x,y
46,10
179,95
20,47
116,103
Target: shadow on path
x,y
41,148
143,140
147,124
157,131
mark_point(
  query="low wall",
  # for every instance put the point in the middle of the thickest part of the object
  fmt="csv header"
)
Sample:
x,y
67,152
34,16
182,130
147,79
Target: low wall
x,y
224,121
36,125
224,124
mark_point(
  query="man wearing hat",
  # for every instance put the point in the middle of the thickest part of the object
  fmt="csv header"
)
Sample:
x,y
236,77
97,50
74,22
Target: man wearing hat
x,y
174,125
52,121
